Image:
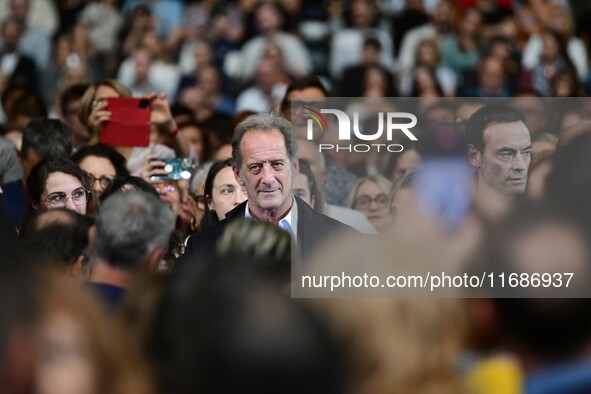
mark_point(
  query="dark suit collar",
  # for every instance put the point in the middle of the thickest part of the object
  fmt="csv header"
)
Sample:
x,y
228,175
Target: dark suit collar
x,y
238,211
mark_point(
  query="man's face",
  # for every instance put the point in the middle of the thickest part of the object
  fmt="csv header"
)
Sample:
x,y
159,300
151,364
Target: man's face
x,y
297,100
267,173
504,161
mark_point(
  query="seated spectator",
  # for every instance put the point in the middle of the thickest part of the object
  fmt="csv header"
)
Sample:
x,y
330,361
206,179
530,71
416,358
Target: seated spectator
x,y
425,83
352,81
63,64
205,90
168,14
99,24
370,196
102,163
436,30
492,80
267,91
149,69
18,68
269,22
60,183
460,52
553,60
560,24
428,57
346,47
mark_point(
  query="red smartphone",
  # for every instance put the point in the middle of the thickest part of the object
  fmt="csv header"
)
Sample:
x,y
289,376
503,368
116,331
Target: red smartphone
x,y
129,124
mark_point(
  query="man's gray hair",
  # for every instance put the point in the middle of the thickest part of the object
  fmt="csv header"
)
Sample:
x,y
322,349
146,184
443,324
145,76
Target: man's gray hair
x,y
130,226
265,122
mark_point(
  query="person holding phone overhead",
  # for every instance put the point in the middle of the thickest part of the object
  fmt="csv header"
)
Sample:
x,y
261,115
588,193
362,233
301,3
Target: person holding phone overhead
x,y
94,112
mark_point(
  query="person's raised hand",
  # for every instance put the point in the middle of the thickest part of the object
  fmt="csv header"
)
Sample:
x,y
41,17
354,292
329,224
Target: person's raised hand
x,y
161,115
153,168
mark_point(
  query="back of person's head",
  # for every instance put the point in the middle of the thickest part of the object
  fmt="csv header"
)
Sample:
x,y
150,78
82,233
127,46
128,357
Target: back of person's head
x,y
130,227
544,324
227,331
105,152
128,182
483,118
50,139
56,237
267,246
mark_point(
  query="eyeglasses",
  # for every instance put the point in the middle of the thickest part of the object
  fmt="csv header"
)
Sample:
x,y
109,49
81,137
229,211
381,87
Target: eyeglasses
x,y
59,199
364,202
104,180
168,188
200,200
97,102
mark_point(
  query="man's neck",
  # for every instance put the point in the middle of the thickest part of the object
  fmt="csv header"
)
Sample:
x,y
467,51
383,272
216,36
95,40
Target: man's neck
x,y
104,273
273,215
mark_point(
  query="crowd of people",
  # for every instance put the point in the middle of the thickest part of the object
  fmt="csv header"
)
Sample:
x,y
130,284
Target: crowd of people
x,y
174,265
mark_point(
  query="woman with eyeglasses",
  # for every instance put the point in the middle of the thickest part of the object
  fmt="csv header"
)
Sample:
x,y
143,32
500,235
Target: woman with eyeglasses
x,y
103,163
60,183
370,197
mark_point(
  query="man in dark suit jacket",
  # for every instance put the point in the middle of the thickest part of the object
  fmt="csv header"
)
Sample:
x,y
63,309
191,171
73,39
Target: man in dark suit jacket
x,y
265,161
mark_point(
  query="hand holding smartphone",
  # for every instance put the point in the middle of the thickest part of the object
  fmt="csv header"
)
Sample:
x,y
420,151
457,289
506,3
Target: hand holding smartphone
x,y
177,168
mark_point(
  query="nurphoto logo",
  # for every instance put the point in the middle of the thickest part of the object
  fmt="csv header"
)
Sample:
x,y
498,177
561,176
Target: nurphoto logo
x,y
388,122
